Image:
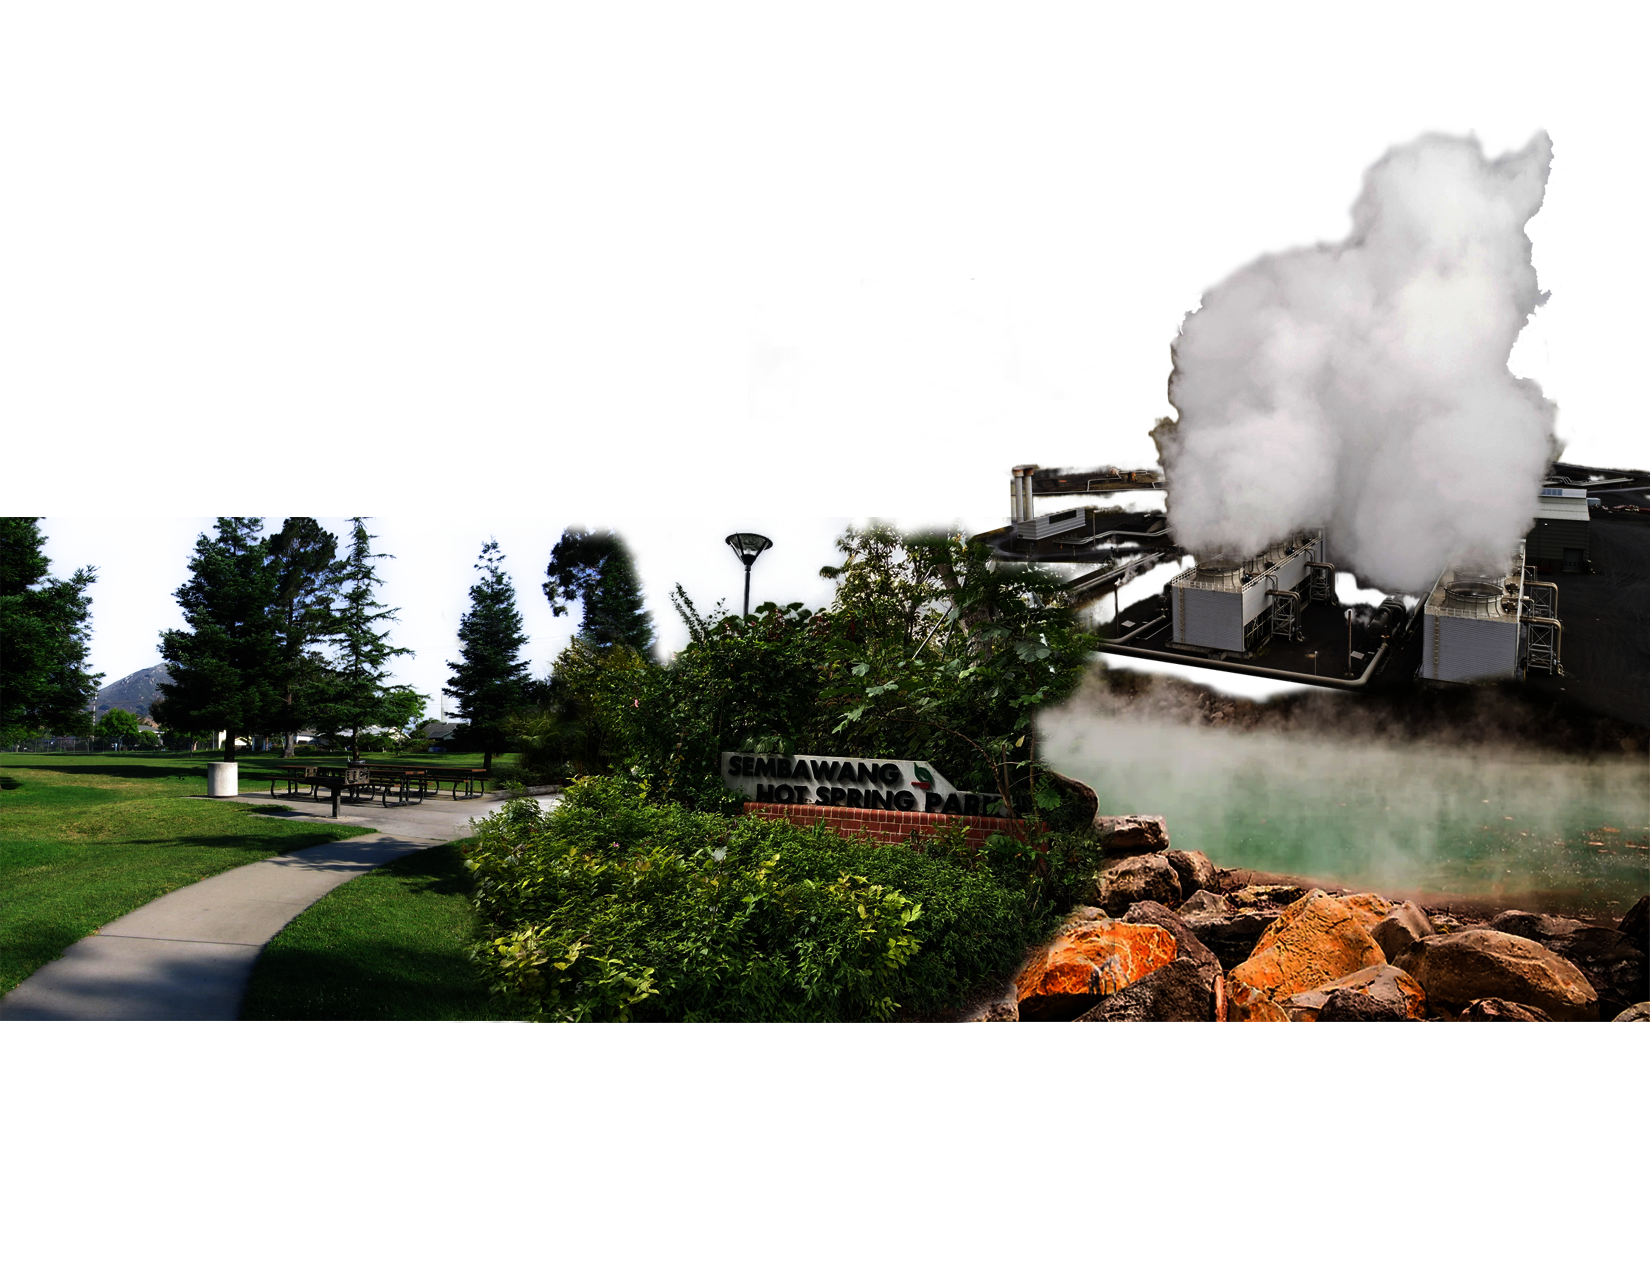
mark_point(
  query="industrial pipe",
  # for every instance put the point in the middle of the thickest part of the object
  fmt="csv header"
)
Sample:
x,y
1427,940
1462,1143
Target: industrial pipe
x,y
1312,679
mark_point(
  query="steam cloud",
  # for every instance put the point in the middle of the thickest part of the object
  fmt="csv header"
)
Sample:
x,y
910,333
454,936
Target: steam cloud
x,y
1363,386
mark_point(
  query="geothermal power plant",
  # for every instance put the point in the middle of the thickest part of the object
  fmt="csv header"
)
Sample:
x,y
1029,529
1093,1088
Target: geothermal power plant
x,y
1569,614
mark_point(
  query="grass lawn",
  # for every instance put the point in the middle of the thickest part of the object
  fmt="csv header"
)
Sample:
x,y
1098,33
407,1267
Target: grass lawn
x,y
389,945
85,839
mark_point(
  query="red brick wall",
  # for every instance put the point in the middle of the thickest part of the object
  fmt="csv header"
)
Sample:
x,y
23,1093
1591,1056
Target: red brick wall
x,y
889,826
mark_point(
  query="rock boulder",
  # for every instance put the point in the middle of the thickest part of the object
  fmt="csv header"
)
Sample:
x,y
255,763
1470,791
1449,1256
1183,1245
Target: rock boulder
x,y
1266,896
1132,834
1400,993
1403,925
1457,969
1314,941
1347,1006
1492,1009
1607,957
1636,924
1639,1013
1188,946
1089,957
1229,932
1368,909
1135,880
1176,993
1194,870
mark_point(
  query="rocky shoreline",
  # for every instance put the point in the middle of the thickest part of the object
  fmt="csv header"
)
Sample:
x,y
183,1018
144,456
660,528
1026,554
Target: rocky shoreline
x,y
1167,936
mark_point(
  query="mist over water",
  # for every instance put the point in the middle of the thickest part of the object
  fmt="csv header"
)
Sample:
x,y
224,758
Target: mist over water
x,y
1363,386
1401,820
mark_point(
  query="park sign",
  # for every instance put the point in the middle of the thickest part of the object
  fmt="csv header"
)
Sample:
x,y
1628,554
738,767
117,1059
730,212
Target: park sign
x,y
859,783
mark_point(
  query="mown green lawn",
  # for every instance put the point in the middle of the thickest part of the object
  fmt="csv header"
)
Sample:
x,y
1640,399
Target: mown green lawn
x,y
392,944
85,839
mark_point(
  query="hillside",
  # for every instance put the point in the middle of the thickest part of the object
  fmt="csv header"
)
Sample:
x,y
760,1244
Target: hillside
x,y
134,692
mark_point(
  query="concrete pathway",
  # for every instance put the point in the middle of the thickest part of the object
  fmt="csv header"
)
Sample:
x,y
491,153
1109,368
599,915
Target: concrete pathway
x,y
189,954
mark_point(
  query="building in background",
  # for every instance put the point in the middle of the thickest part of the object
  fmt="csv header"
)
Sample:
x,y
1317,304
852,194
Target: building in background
x,y
949,276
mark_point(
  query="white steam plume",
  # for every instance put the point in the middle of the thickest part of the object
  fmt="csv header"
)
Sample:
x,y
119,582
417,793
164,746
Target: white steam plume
x,y
1363,386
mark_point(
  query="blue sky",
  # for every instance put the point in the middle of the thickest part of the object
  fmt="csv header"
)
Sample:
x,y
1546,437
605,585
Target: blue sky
x,y
141,561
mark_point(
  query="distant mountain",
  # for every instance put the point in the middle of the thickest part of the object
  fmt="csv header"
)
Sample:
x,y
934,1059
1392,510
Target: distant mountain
x,y
134,692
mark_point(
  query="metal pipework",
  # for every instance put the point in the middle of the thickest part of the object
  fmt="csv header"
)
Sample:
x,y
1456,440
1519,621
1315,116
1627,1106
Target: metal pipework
x,y
1021,508
1308,679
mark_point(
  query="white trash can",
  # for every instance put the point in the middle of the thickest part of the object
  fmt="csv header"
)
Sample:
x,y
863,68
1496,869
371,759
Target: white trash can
x,y
222,778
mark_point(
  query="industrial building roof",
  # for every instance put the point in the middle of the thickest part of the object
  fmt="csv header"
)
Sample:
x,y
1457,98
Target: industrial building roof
x,y
1566,504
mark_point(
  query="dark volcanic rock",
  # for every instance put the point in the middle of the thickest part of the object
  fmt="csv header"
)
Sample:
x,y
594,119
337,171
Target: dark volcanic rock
x,y
1612,963
1492,1009
1132,834
1344,1005
1400,993
1457,969
1135,880
1177,993
1230,934
1266,896
1636,924
1194,870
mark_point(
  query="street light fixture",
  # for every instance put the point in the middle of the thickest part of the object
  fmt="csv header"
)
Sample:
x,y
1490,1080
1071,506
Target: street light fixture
x,y
747,547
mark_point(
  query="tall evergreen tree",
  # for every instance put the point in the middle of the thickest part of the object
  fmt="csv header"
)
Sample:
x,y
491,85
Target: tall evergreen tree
x,y
489,682
357,693
45,626
595,569
302,553
222,667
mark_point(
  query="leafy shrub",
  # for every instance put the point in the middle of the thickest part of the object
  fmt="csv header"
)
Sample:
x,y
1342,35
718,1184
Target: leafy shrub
x,y
610,909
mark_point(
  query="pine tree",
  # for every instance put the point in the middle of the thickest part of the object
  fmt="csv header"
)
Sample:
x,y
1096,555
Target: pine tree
x,y
45,626
356,692
221,667
302,553
595,569
489,682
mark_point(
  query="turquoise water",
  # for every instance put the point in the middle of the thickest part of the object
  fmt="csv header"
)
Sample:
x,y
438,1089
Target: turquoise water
x,y
1567,834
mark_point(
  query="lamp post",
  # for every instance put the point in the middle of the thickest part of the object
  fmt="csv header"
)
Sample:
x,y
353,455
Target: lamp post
x,y
747,547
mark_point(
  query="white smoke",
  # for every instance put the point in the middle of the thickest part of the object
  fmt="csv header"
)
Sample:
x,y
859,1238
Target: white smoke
x,y
1363,386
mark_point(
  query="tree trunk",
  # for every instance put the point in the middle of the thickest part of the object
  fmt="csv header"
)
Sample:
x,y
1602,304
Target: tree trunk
x,y
355,745
487,761
229,745
291,749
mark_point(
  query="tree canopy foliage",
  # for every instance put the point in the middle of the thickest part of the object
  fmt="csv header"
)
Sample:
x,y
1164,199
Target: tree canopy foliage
x,y
224,668
356,693
595,569
303,555
45,627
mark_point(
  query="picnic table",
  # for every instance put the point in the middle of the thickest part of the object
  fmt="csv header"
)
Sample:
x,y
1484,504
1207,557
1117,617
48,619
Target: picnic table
x,y
407,783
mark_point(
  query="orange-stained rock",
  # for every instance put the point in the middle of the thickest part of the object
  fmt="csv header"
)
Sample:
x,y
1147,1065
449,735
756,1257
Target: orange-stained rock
x,y
1089,957
1259,1010
1314,941
1369,909
1385,983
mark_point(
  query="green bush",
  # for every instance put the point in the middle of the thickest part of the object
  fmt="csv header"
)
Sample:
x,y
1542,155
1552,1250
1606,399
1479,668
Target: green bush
x,y
610,909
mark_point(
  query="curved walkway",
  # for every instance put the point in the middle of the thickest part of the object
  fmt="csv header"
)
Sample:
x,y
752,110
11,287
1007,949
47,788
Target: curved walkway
x,y
189,954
